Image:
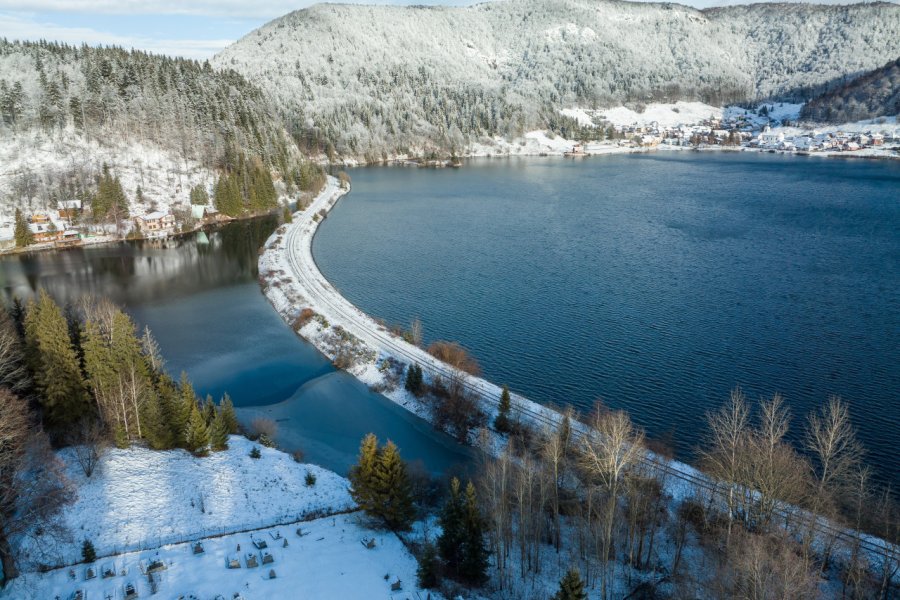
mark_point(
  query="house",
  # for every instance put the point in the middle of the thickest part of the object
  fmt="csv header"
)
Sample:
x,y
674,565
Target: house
x,y
44,233
155,224
40,218
68,209
877,139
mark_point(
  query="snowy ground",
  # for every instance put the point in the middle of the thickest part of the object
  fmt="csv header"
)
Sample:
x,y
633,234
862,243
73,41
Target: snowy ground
x,y
665,115
141,499
328,561
540,143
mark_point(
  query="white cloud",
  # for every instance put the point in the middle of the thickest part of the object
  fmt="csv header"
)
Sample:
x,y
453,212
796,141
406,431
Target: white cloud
x,y
267,9
15,27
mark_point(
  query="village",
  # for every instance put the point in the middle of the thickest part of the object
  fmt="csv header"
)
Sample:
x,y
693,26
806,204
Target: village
x,y
71,225
745,131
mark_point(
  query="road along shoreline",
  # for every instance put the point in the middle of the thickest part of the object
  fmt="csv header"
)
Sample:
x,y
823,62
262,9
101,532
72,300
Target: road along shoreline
x,y
353,340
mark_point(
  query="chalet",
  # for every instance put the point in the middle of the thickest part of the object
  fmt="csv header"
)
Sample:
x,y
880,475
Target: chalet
x,y
68,209
877,139
45,231
577,150
155,224
40,218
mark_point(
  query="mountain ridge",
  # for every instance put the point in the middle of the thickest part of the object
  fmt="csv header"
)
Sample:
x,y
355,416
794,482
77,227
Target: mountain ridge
x,y
379,80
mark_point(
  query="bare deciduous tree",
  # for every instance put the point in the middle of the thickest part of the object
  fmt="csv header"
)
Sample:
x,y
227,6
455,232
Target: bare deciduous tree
x,y
13,371
722,455
89,444
610,448
32,484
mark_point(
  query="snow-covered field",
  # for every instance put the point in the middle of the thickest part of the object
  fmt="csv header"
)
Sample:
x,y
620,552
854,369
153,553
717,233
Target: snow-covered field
x,y
665,115
327,562
141,498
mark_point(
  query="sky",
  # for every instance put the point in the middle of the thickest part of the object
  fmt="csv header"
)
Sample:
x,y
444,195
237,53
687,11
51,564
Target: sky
x,y
189,28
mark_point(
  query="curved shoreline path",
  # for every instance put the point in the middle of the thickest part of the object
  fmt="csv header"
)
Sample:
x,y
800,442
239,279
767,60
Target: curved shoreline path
x,y
292,281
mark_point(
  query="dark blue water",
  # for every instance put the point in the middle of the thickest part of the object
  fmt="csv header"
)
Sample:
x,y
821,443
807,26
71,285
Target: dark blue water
x,y
200,296
655,283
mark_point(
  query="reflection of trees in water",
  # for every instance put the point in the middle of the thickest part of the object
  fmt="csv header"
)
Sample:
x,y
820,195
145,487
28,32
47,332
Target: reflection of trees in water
x,y
142,271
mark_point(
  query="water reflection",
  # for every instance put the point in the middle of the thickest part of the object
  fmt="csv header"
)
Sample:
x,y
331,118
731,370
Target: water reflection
x,y
200,296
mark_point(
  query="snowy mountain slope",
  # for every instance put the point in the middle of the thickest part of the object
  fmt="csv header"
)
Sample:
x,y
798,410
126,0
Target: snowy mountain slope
x,y
141,498
65,111
376,80
874,94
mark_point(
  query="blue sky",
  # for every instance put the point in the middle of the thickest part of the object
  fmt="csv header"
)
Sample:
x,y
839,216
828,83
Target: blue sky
x,y
190,28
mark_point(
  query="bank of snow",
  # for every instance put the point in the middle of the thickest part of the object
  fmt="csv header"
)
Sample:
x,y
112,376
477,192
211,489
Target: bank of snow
x,y
140,498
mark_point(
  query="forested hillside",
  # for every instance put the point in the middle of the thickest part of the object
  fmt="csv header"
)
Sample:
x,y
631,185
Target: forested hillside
x,y
376,80
164,125
875,94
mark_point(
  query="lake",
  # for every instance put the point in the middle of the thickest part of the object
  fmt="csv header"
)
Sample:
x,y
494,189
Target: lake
x,y
200,296
655,283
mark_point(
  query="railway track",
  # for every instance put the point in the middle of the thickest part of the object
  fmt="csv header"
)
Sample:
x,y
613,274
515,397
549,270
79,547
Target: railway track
x,y
326,299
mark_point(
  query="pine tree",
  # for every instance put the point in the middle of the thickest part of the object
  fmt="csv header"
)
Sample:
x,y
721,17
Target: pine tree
x,y
428,571
363,472
88,553
226,408
393,494
199,195
571,587
461,544
502,422
184,406
218,433
288,216
55,364
473,568
196,437
414,379
22,233
209,410
450,542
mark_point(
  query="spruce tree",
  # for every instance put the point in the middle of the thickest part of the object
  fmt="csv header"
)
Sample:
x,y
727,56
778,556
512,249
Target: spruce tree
x,y
184,406
57,372
502,422
428,571
199,195
288,216
22,233
571,587
363,472
452,536
196,437
218,433
473,567
88,553
392,490
209,410
413,379
226,408
461,544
